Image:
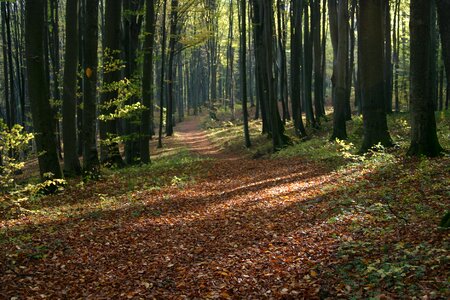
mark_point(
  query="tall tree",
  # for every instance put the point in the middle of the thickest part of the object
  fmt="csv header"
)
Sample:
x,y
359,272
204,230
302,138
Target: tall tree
x,y
371,41
263,21
132,28
243,75
424,140
111,76
340,77
39,90
69,108
308,68
147,81
317,45
296,58
170,73
161,83
90,71
443,10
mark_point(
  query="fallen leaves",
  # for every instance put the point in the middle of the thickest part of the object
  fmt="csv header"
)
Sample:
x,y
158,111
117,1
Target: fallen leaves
x,y
248,229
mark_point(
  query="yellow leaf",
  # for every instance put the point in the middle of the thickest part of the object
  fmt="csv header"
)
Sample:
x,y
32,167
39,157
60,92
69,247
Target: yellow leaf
x,y
88,72
313,273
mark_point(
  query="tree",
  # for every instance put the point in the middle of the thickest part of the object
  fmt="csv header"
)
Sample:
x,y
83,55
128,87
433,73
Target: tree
x,y
424,140
371,43
147,81
443,10
69,109
340,75
90,66
112,75
296,57
263,21
170,76
243,75
161,83
132,24
39,91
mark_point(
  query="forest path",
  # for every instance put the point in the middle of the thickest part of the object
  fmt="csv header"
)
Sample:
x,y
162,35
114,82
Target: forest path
x,y
243,229
188,134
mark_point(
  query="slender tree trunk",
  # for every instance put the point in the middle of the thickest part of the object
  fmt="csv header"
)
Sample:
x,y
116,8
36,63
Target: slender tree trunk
x,y
443,9
372,81
308,69
296,57
243,60
170,75
132,27
424,140
39,91
340,91
318,76
388,57
111,76
147,81
69,109
90,71
161,86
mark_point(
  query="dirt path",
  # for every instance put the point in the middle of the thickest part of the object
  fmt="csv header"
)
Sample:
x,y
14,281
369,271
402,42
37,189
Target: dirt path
x,y
249,229
188,134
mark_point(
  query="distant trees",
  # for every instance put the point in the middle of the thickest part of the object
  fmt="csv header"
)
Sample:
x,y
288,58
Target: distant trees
x,y
186,59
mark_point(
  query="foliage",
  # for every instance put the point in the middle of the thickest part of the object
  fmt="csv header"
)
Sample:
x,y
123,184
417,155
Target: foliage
x,y
12,142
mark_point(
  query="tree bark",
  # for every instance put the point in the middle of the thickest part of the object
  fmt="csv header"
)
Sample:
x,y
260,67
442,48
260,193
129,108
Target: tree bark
x,y
69,109
443,10
243,61
424,140
340,90
39,91
90,70
111,76
372,79
147,81
296,58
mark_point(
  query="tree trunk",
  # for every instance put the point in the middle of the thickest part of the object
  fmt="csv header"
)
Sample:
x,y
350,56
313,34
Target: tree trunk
x,y
387,57
170,76
264,24
147,81
424,140
90,70
308,69
69,109
39,91
243,60
296,58
132,28
443,9
111,76
318,76
372,79
340,90
161,85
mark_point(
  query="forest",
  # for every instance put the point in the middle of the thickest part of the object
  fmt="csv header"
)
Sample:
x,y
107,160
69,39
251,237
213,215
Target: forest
x,y
224,149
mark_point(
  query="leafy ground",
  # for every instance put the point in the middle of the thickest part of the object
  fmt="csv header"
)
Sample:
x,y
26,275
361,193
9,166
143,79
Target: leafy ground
x,y
206,221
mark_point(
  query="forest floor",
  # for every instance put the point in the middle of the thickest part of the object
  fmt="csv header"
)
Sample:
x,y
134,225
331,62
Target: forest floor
x,y
204,223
